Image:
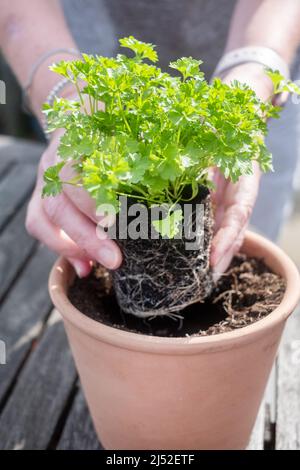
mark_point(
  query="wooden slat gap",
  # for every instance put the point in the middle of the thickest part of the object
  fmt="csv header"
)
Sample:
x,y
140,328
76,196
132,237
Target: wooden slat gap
x,y
33,342
63,417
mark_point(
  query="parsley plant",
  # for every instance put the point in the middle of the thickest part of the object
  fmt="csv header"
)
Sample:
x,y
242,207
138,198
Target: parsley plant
x,y
158,133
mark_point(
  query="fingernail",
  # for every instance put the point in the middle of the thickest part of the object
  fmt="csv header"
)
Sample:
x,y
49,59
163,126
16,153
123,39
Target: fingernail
x,y
78,269
221,267
107,256
82,269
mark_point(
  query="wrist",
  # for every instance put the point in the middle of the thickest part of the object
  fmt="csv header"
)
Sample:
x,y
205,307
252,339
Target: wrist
x,y
247,65
253,75
44,81
265,56
40,99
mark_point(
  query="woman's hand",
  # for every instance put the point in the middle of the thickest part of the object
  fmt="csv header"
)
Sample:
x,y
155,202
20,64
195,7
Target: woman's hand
x,y
67,223
234,202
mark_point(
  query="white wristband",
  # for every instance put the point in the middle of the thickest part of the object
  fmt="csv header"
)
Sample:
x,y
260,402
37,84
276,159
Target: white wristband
x,y
260,55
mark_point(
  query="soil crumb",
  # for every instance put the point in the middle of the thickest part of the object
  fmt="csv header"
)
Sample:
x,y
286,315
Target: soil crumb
x,y
246,293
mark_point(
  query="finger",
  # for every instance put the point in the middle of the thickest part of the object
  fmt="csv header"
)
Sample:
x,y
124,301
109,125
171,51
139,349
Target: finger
x,y
40,227
82,231
83,201
220,183
237,204
224,261
79,196
218,198
82,268
281,99
235,220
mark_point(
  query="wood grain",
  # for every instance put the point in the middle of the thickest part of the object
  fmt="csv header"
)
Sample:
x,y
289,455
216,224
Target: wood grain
x,y
79,433
20,150
32,413
15,248
288,388
4,168
23,314
15,188
257,436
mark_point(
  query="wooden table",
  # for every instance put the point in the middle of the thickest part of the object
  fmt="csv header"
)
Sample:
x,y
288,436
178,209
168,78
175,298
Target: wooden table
x,y
41,402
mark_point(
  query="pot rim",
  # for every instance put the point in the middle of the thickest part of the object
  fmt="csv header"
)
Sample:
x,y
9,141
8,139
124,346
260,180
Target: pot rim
x,y
275,257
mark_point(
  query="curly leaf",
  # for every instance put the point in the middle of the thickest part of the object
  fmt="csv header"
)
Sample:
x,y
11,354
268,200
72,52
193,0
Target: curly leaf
x,y
169,226
53,183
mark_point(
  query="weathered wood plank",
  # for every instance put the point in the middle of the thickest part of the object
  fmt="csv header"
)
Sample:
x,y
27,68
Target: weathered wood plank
x,y
288,391
23,314
4,168
20,150
32,413
15,247
79,433
258,433
14,189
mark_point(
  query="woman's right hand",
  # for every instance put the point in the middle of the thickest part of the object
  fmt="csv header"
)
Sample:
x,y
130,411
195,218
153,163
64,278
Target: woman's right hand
x,y
67,223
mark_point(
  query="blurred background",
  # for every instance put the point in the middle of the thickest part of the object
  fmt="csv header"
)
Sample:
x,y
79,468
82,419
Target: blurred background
x,y
13,119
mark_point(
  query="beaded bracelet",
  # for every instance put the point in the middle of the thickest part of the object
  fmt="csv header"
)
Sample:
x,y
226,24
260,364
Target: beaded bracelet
x,y
50,100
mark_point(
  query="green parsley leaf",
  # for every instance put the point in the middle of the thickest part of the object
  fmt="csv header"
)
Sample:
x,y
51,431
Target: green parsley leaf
x,y
53,184
187,66
141,49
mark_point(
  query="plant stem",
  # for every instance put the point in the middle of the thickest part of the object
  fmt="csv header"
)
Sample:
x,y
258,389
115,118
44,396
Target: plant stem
x,y
123,115
136,197
80,96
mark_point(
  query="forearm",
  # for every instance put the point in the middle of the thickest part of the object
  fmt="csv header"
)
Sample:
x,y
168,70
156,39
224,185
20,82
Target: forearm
x,y
29,29
267,23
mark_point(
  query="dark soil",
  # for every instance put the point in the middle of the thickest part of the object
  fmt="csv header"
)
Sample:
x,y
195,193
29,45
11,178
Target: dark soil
x,y
247,292
161,276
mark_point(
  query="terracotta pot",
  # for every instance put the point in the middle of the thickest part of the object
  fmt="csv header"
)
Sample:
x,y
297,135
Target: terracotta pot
x,y
176,393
